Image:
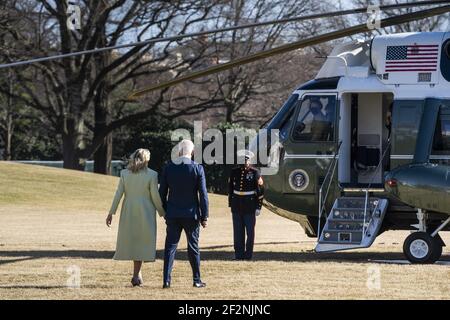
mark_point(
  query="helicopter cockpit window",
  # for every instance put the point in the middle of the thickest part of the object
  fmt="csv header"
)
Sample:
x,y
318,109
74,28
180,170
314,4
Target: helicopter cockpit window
x,y
286,126
279,119
441,142
315,121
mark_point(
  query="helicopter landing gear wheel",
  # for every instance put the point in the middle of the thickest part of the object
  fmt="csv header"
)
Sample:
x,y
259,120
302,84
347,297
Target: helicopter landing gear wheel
x,y
422,248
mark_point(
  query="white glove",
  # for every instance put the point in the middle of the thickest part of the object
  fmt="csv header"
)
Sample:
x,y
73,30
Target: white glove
x,y
257,212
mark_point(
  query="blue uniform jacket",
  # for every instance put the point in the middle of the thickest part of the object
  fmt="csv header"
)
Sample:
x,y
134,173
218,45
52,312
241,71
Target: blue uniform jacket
x,y
183,190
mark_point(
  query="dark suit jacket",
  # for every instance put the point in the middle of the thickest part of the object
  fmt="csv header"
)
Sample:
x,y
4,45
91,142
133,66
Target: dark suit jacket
x,y
183,190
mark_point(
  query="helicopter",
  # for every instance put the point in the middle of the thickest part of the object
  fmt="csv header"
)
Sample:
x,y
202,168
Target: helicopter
x,y
364,146
368,141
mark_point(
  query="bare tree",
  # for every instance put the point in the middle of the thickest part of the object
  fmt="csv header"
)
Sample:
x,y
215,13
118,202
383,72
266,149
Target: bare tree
x,y
82,98
240,88
77,94
7,113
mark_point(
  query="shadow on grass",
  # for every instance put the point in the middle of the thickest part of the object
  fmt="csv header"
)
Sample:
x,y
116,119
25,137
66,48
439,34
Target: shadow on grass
x,y
46,287
211,254
32,287
49,254
15,260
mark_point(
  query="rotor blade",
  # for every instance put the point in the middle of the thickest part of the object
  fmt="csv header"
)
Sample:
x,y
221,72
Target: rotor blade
x,y
244,26
295,45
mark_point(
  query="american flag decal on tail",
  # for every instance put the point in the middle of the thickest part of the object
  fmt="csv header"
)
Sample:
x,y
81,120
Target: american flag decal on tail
x,y
418,58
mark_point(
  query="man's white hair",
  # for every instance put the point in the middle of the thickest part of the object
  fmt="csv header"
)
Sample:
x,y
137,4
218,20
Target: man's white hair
x,y
185,147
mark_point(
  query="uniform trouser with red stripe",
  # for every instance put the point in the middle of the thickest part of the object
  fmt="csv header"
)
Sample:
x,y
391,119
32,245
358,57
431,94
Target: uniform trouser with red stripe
x,y
243,223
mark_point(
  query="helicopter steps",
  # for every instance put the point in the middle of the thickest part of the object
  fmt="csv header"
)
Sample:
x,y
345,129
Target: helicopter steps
x,y
350,226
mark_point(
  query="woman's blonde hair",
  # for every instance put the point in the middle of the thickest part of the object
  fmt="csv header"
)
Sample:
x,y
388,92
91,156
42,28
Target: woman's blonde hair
x,y
139,160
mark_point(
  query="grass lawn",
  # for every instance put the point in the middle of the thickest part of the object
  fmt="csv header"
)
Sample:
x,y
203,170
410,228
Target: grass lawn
x,y
52,224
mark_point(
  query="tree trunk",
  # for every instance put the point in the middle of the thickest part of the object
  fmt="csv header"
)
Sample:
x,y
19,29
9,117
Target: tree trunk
x,y
73,144
229,113
9,121
8,137
103,155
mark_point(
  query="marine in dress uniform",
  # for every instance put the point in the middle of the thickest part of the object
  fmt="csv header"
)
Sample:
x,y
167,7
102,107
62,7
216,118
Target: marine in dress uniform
x,y
245,196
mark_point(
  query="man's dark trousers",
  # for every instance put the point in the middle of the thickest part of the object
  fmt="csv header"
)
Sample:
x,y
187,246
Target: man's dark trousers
x,y
243,223
175,226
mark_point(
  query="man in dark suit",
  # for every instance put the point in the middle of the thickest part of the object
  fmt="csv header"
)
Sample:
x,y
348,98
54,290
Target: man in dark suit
x,y
185,200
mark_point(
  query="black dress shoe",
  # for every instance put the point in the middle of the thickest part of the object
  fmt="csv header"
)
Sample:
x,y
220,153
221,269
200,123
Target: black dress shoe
x,y
199,284
166,285
136,282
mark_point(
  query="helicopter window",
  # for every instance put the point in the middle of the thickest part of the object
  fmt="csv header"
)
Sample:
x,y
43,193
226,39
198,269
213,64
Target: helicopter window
x,y
284,130
315,121
441,142
447,49
445,60
279,119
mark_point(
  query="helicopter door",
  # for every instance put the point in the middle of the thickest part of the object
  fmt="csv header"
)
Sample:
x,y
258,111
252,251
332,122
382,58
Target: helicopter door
x,y
310,146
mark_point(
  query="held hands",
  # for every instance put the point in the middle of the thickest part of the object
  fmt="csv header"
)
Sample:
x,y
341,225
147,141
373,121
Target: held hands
x,y
109,220
257,212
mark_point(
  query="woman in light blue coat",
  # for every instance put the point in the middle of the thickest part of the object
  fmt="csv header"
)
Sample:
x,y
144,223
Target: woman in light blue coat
x,y
136,239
